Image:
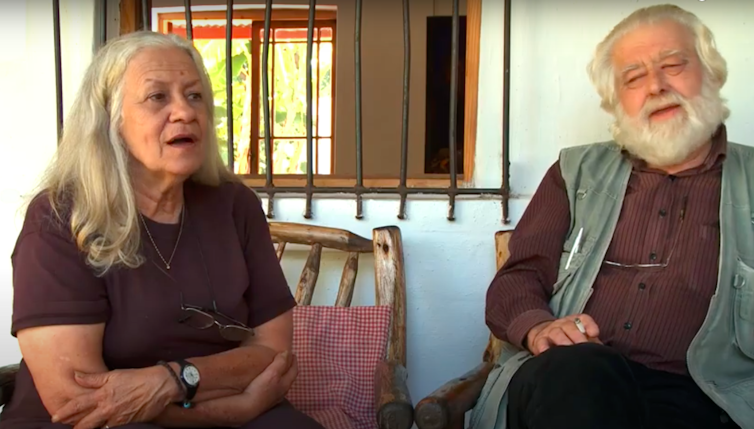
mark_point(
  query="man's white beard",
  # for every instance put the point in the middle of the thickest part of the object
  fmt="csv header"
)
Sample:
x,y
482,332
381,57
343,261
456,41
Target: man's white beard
x,y
672,141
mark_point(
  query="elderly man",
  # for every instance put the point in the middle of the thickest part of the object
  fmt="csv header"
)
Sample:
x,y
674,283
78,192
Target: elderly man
x,y
628,298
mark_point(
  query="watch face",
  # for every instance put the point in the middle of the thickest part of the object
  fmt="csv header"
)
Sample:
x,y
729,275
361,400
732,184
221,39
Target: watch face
x,y
191,375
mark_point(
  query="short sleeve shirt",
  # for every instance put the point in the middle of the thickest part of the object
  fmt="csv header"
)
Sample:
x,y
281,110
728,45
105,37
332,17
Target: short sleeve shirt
x,y
224,259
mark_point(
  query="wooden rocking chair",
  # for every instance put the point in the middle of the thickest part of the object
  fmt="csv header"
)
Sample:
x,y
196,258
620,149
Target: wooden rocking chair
x,y
392,403
446,407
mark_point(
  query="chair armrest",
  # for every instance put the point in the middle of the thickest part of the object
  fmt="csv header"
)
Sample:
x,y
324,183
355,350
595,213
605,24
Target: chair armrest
x,y
393,402
446,407
7,382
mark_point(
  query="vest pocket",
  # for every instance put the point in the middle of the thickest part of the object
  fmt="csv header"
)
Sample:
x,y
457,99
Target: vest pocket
x,y
743,284
563,274
579,256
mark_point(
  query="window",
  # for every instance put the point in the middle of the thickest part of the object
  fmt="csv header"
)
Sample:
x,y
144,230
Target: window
x,y
287,85
384,164
436,136
334,106
380,109
287,74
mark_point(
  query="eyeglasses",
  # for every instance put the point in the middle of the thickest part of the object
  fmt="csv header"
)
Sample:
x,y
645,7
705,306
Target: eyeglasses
x,y
200,318
670,253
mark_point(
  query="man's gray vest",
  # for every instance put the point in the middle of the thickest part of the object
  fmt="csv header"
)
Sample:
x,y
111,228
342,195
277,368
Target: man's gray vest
x,y
721,356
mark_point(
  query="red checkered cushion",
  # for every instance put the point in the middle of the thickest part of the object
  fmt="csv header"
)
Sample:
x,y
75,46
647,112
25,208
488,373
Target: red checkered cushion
x,y
338,349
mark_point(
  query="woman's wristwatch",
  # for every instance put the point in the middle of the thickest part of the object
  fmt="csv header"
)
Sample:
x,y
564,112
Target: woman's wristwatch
x,y
187,379
189,376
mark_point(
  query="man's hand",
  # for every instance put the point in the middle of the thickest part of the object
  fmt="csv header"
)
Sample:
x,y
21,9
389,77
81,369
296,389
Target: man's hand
x,y
119,397
562,332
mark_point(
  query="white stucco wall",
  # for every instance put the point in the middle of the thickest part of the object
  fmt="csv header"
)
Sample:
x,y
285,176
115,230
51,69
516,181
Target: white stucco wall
x,y
448,264
27,115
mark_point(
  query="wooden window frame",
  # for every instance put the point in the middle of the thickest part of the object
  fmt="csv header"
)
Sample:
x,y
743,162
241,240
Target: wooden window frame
x,y
256,82
285,18
130,12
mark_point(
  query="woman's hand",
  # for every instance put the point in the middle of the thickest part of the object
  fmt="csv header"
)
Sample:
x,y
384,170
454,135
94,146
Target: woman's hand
x,y
270,387
119,397
264,392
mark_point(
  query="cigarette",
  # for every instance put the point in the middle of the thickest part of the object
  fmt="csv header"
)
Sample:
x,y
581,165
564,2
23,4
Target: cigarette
x,y
579,325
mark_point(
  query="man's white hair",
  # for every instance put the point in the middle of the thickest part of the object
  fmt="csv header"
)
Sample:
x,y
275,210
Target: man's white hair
x,y
601,70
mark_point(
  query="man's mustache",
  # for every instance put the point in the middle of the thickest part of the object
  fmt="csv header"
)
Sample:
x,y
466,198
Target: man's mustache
x,y
670,99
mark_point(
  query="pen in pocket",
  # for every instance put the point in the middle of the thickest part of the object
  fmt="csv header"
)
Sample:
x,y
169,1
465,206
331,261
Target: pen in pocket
x,y
575,248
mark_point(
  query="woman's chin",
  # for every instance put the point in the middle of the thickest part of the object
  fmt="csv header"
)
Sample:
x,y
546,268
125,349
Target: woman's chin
x,y
184,168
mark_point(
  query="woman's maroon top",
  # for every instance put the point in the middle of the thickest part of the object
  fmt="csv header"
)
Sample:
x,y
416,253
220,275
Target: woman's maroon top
x,y
225,250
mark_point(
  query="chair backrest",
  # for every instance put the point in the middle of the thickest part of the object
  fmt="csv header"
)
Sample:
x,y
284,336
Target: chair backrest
x,y
495,345
390,285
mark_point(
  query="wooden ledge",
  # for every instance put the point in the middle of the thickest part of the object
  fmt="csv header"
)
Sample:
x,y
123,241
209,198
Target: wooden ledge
x,y
349,182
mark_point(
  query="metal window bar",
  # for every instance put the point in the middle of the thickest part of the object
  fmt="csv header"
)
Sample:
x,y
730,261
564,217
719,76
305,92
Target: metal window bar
x,y
189,20
359,190
453,106
404,116
309,109
58,67
266,111
103,23
505,188
229,78
357,90
146,15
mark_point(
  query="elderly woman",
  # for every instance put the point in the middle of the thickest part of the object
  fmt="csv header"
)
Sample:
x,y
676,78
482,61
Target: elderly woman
x,y
146,288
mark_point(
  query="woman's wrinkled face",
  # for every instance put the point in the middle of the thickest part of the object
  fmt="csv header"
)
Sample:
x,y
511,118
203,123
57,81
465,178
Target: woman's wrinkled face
x,y
164,118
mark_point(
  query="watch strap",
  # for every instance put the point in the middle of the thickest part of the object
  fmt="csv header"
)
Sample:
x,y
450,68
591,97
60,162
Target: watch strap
x,y
172,373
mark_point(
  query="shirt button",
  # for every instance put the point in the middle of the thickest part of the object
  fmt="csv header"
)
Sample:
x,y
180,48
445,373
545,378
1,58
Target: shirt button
x,y
652,256
663,213
627,325
642,286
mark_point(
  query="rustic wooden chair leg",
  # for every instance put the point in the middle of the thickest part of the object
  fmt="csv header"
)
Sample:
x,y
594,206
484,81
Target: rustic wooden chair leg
x,y
395,416
394,407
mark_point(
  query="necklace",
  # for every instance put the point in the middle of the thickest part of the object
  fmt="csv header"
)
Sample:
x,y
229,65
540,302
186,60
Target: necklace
x,y
169,261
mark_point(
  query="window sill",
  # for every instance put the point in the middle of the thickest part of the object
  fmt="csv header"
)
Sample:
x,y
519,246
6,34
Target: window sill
x,y
350,182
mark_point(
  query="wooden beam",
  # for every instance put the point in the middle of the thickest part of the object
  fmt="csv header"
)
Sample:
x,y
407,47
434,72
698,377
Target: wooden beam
x,y
473,39
331,238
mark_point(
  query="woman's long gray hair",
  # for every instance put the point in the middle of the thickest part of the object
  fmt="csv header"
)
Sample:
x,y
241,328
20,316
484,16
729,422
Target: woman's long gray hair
x,y
89,178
